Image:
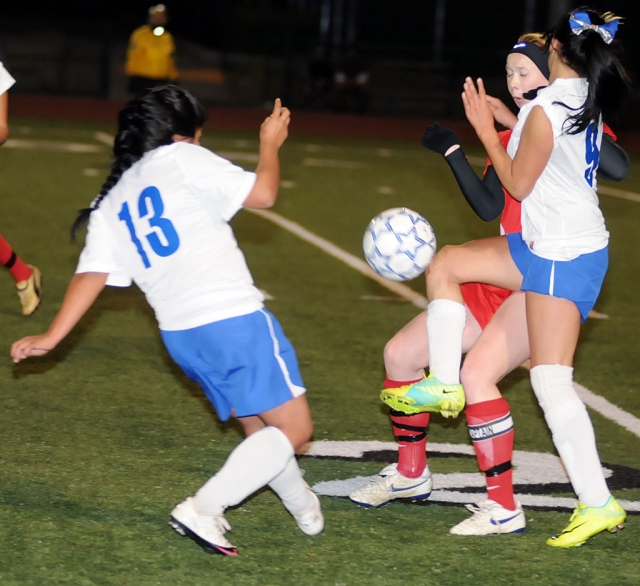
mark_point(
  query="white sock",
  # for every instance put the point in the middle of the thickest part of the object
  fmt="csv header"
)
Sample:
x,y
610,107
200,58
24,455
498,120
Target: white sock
x,y
292,489
254,463
572,431
445,324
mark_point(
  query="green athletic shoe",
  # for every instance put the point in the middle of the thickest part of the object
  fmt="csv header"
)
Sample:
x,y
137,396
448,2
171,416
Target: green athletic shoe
x,y
588,521
429,394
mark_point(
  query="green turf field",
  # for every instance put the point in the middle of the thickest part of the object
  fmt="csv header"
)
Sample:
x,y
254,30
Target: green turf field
x,y
101,438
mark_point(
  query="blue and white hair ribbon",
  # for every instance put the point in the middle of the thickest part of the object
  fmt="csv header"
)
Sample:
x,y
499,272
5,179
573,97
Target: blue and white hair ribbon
x,y
580,22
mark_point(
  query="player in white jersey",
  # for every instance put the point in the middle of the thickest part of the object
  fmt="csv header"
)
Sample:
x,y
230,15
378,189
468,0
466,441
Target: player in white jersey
x,y
559,259
27,277
161,220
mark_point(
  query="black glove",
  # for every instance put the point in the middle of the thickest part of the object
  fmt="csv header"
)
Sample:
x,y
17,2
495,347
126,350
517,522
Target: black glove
x,y
439,139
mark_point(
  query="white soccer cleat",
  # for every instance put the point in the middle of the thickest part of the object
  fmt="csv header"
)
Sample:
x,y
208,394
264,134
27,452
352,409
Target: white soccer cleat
x,y
491,518
391,485
311,521
206,530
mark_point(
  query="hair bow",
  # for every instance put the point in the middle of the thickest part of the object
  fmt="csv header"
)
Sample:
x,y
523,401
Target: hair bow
x,y
580,22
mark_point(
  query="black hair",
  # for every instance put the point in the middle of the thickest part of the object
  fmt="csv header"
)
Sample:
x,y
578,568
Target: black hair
x,y
147,122
599,62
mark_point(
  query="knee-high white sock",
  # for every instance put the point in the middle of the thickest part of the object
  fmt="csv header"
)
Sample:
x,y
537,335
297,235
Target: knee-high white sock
x,y
445,324
572,431
254,463
292,489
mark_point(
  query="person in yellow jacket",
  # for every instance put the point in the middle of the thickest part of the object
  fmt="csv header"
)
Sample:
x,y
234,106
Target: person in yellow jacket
x,y
150,60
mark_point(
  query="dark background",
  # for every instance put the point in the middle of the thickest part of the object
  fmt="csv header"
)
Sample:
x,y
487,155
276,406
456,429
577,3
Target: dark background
x,y
472,39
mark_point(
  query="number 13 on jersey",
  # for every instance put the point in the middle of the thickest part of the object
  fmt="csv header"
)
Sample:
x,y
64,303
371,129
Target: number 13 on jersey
x,y
151,208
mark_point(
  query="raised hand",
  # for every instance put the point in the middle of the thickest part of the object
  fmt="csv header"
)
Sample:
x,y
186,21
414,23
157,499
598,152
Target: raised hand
x,y
476,107
275,128
501,114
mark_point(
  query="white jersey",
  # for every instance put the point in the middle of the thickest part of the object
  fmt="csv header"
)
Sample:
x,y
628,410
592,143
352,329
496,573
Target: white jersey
x,y
165,226
560,218
6,80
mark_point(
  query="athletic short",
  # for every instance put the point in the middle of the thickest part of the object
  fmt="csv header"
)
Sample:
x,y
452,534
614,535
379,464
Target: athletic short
x,y
243,363
578,280
483,300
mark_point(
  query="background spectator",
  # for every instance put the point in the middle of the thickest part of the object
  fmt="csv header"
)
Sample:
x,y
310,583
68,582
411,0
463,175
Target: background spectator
x,y
150,59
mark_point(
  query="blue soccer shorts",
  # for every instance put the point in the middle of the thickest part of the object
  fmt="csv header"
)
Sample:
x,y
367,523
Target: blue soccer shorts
x,y
243,363
578,280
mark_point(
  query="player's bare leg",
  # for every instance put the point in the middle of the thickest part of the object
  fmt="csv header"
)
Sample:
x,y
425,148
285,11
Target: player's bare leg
x,y
503,346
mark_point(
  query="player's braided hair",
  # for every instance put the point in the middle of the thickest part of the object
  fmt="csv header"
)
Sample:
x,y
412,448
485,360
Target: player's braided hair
x,y
147,122
600,63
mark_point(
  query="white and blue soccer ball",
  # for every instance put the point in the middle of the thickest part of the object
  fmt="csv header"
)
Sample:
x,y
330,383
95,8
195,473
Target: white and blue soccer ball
x,y
399,244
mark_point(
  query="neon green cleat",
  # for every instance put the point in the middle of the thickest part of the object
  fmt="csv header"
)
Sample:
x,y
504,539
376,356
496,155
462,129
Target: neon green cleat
x,y
588,521
427,395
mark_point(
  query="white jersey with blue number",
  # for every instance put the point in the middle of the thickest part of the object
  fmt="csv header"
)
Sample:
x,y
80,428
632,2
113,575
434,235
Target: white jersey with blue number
x,y
560,218
165,226
6,79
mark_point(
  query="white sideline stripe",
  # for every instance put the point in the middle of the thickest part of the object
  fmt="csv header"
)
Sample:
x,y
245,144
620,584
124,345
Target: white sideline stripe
x,y
49,145
619,193
602,189
332,163
240,156
104,138
597,403
608,410
350,260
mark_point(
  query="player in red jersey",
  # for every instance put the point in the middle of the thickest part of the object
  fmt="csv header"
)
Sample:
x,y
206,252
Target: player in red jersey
x,y
495,338
27,277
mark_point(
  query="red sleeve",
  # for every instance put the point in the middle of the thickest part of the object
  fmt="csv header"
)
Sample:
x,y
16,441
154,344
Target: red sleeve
x,y
607,130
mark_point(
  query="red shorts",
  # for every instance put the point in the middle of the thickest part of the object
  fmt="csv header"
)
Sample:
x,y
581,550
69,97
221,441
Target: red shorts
x,y
483,300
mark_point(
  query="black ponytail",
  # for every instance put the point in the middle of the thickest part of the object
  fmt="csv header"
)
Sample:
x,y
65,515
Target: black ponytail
x,y
147,122
599,62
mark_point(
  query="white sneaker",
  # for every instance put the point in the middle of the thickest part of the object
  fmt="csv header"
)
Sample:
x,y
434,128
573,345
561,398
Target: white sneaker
x,y
311,521
206,530
491,518
391,485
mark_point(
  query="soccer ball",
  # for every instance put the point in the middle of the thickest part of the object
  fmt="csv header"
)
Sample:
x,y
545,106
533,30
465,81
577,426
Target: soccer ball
x,y
399,244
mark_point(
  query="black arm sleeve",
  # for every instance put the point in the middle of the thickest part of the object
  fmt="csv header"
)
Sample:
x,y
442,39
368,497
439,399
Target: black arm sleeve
x,y
485,197
614,160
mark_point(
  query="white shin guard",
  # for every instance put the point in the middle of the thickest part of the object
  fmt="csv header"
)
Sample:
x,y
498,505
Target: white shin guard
x,y
572,431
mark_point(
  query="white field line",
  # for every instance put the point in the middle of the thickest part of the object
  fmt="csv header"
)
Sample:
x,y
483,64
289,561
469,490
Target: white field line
x,y
49,145
104,138
347,258
597,403
602,189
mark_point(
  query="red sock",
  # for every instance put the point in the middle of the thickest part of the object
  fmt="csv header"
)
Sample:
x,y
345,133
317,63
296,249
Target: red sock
x,y
492,435
19,270
411,435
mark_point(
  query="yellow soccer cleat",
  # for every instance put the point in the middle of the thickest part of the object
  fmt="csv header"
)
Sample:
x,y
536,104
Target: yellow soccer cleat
x,y
427,395
30,291
589,521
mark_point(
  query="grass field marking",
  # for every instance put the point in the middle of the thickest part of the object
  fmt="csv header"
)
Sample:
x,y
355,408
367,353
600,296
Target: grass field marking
x,y
530,469
602,189
239,156
332,163
50,145
609,410
619,193
336,252
104,138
